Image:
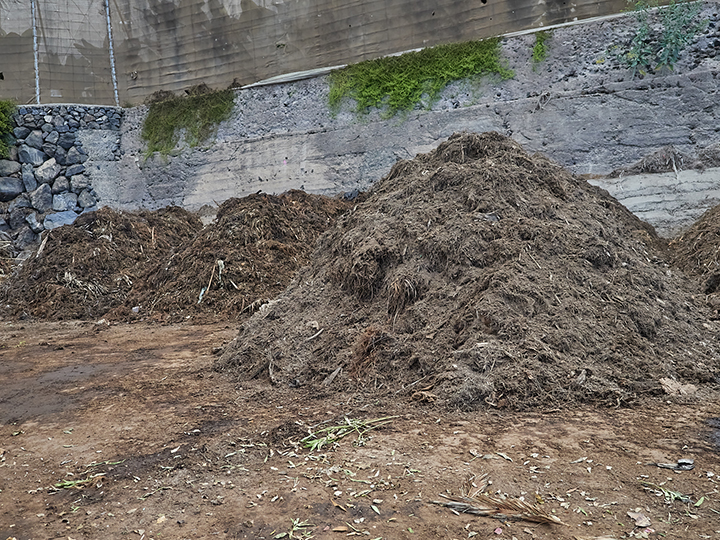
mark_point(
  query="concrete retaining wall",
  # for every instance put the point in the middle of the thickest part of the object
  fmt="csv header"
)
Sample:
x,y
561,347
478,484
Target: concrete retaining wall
x,y
581,108
101,52
669,201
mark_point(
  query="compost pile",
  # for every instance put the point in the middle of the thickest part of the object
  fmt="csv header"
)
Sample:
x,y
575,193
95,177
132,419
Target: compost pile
x,y
6,255
248,256
669,159
697,253
478,275
86,269
164,266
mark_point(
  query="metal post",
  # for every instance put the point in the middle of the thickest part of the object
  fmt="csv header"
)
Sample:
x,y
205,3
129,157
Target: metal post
x,y
35,52
112,54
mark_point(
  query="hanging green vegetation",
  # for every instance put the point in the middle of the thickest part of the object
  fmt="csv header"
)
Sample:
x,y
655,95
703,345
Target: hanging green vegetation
x,y
7,110
399,83
540,49
196,116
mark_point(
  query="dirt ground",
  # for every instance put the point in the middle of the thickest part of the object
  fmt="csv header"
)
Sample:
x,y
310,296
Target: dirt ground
x,y
170,449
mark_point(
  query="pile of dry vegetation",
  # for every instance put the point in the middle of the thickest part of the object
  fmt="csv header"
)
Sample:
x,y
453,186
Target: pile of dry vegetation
x,y
248,256
86,269
697,253
480,275
669,159
164,265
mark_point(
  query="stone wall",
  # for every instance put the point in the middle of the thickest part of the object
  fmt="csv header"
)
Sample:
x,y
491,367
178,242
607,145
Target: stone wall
x,y
45,183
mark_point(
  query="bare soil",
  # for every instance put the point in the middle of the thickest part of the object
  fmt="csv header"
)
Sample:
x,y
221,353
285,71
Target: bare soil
x,y
505,318
173,450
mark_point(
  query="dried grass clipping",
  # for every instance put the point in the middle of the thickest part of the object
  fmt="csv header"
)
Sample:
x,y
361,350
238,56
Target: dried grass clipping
x,y
480,504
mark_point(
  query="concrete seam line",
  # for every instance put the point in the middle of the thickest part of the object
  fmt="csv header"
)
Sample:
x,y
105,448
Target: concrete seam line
x,y
317,72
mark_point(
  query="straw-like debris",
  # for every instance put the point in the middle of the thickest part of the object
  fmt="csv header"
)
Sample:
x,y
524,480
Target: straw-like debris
x,y
329,436
508,509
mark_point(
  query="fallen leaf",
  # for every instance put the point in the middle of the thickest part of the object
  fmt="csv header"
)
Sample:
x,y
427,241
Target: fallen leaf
x,y
640,519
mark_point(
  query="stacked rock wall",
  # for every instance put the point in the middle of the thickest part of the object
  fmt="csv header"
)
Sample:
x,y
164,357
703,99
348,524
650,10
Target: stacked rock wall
x,y
45,184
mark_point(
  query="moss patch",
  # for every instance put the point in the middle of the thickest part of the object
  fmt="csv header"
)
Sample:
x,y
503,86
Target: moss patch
x,y
540,49
7,110
196,115
399,83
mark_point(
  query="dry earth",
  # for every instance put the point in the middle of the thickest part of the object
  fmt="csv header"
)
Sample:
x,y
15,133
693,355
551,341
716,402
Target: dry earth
x,y
160,446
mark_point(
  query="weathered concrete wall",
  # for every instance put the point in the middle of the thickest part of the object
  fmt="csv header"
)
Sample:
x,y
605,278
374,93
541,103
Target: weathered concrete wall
x,y
580,108
56,50
64,50
669,201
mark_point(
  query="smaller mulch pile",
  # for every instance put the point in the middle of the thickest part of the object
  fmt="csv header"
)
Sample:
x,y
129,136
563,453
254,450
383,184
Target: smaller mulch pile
x,y
163,265
669,159
479,275
86,269
6,256
248,256
697,253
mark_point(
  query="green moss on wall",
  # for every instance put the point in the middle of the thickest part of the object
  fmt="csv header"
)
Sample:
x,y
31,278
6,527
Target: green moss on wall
x,y
196,116
7,110
399,83
540,49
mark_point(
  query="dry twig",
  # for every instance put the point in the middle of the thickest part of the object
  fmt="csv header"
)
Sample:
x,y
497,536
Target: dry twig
x,y
480,504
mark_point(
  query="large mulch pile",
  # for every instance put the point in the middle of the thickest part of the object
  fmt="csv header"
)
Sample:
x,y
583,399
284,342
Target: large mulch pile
x,y
247,257
84,270
478,275
164,266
